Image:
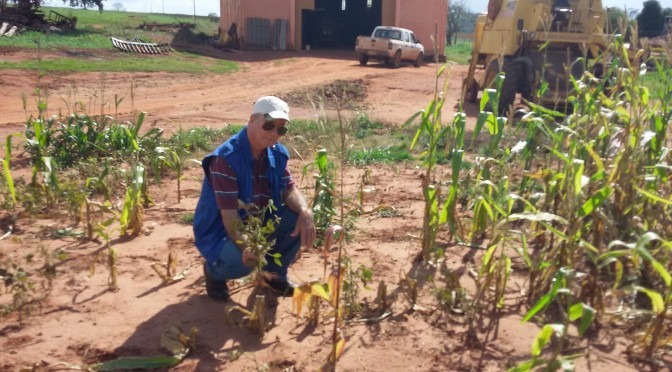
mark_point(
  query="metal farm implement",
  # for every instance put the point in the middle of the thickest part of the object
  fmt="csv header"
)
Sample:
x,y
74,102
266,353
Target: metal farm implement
x,y
137,45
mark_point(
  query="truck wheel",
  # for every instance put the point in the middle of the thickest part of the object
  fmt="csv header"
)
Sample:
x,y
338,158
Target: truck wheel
x,y
363,59
396,62
509,87
418,60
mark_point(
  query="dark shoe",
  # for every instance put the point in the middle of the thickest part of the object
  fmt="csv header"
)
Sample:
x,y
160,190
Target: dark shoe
x,y
283,288
216,289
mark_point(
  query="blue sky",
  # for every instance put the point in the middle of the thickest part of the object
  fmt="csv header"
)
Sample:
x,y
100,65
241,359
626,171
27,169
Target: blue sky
x,y
204,7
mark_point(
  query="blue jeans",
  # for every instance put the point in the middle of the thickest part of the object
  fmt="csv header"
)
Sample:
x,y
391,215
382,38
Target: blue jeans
x,y
229,264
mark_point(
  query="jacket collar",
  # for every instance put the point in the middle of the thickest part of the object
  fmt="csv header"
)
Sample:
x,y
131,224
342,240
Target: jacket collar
x,y
246,149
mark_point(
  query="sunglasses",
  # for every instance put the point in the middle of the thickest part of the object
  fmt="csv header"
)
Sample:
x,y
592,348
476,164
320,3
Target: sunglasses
x,y
269,126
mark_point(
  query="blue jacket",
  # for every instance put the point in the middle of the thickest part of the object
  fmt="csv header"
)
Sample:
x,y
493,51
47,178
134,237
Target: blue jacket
x,y
209,229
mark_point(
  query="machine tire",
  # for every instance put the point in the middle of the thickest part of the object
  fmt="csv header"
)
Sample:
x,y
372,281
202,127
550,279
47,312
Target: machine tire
x,y
509,88
396,61
363,59
418,60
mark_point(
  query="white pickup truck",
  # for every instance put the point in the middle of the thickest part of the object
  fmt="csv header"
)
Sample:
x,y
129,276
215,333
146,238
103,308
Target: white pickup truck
x,y
390,44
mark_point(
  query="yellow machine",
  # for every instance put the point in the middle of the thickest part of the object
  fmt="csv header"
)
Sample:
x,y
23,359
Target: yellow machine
x,y
533,41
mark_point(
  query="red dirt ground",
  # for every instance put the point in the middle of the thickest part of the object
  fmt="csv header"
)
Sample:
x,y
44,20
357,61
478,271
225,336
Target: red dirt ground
x,y
82,322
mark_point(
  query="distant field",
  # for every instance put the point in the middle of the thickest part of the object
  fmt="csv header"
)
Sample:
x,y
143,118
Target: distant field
x,y
94,30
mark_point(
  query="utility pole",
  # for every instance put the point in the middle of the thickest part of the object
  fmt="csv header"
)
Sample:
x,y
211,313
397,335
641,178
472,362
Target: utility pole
x,y
194,19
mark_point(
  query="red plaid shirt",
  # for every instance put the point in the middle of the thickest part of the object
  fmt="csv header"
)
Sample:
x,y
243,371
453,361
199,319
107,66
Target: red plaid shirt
x,y
225,184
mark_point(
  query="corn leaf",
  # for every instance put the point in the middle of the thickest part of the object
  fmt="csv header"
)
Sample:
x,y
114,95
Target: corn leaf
x,y
541,304
653,197
583,312
128,363
9,179
542,339
301,295
656,299
317,289
595,201
340,347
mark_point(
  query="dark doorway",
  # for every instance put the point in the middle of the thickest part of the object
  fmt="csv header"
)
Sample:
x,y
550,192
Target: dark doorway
x,y
330,26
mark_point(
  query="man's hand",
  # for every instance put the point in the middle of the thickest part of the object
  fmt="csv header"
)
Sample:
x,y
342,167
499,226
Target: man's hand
x,y
306,227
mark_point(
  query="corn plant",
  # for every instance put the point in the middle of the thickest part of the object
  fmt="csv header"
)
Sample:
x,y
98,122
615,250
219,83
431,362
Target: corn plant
x,y
172,160
324,198
436,133
255,319
487,118
311,292
642,259
110,255
168,271
50,183
10,199
132,214
39,134
543,338
570,311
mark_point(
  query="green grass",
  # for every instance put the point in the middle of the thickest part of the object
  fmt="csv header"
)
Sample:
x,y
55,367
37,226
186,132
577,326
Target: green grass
x,y
459,52
385,155
93,32
652,80
174,62
95,28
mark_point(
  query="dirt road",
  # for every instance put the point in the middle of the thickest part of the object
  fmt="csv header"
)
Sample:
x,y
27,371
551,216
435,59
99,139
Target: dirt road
x,y
198,100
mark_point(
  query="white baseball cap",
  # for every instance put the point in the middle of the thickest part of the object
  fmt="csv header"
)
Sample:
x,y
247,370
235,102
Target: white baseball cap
x,y
271,107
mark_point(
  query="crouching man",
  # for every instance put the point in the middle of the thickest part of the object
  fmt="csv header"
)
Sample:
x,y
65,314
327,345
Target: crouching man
x,y
251,166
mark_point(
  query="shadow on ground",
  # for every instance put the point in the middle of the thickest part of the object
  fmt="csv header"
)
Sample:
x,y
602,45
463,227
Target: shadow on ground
x,y
217,341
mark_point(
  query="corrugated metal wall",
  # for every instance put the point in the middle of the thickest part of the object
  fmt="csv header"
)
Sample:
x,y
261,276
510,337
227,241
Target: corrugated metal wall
x,y
258,33
280,34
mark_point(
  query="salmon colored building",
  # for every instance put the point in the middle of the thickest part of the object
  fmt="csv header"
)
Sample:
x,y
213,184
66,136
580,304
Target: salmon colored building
x,y
329,24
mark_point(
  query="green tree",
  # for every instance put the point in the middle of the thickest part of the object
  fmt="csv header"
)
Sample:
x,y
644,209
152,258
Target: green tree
x,y
615,17
457,10
651,20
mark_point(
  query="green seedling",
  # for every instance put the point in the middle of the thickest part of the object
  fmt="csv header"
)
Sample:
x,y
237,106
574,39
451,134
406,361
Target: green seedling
x,y
172,160
132,214
324,198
